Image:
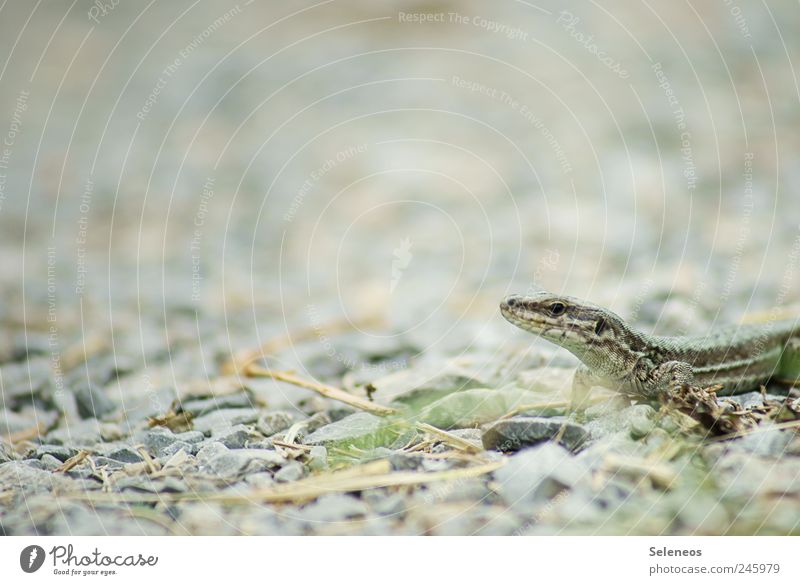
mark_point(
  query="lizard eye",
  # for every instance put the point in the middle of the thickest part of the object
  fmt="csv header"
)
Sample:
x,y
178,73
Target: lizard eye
x,y
557,309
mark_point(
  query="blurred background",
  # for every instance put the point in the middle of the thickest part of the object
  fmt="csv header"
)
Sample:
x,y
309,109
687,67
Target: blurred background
x,y
181,180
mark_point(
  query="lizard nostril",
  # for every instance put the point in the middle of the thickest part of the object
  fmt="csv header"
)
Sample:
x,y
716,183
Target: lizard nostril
x,y
511,301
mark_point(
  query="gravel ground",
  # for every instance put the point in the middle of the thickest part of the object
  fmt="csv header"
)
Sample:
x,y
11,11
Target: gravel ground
x,y
193,196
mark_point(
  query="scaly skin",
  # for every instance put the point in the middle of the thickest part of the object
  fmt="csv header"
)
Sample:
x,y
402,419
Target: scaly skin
x,y
740,358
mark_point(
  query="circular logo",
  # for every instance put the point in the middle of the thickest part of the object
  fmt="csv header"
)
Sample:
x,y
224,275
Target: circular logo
x,y
31,558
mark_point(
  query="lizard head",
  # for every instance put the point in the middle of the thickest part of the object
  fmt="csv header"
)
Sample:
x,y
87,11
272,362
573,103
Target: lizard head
x,y
566,321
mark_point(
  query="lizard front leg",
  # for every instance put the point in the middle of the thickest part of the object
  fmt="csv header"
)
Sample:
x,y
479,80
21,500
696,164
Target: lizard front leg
x,y
669,376
582,383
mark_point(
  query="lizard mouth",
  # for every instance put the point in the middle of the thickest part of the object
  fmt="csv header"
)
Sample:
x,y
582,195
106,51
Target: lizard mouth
x,y
524,319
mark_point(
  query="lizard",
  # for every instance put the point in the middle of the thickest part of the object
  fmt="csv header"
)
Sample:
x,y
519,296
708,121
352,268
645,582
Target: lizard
x,y
614,355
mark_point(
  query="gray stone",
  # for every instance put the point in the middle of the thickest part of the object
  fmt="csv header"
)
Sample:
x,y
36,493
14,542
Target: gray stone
x,y
477,520
333,508
318,458
66,403
774,443
225,466
170,450
84,433
260,480
23,381
105,368
263,444
92,402
83,471
754,399
60,452
402,461
274,422
157,439
617,416
83,520
471,435
433,465
146,483
125,454
35,463
385,503
236,437
224,419
201,407
519,432
141,397
49,462
338,413
260,459
210,450
191,437
26,479
292,471
468,489
180,458
641,419
539,474
317,421
226,463
702,513
108,463
12,422
29,345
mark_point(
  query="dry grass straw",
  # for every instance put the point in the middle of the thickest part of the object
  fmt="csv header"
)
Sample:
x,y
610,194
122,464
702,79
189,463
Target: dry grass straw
x,y
325,390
